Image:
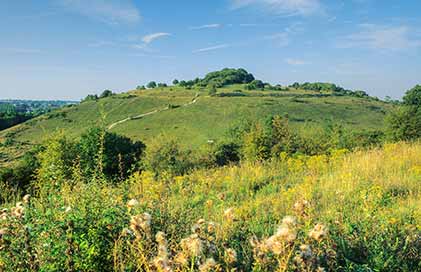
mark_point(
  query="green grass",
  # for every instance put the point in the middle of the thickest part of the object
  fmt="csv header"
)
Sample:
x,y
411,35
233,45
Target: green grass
x,y
193,125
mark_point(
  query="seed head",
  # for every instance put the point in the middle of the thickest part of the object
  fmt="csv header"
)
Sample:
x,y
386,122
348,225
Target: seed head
x,y
289,221
231,255
318,232
211,227
141,222
26,198
132,203
192,245
305,252
301,206
285,233
18,211
3,232
209,264
181,259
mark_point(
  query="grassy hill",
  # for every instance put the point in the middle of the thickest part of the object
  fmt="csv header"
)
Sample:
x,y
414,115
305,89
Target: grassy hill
x,y
194,117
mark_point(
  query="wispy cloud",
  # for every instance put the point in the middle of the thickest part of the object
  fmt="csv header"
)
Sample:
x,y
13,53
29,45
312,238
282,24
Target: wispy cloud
x,y
390,38
152,37
205,26
282,7
108,11
212,48
296,62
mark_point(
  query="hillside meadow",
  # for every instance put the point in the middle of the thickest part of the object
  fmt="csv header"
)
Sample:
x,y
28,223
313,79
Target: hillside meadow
x,y
344,211
174,114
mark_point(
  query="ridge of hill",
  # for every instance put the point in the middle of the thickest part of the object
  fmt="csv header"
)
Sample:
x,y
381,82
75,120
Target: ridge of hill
x,y
195,114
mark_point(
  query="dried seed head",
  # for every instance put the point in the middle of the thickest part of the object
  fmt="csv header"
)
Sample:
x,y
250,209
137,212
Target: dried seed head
x,y
18,211
211,227
161,238
318,232
3,214
181,259
26,198
192,245
209,264
231,255
141,222
3,232
286,234
132,203
301,206
305,251
289,221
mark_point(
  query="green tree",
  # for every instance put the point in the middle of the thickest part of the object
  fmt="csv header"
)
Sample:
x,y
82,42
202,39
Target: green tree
x,y
108,154
413,97
151,85
175,82
256,144
106,93
405,122
165,157
57,159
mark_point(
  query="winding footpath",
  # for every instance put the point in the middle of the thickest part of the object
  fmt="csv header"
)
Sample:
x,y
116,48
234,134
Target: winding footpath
x,y
137,117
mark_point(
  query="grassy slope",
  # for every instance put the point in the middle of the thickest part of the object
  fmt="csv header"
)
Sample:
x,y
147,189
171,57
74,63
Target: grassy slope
x,y
193,125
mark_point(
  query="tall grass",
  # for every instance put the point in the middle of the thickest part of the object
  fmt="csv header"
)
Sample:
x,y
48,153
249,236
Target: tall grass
x,y
345,212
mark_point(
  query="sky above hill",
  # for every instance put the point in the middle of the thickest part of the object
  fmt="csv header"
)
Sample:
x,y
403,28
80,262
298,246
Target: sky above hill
x,y
65,49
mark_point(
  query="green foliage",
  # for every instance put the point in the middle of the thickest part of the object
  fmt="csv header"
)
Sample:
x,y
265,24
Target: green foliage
x,y
165,157
140,88
226,77
175,82
151,85
255,85
404,123
106,93
413,97
108,153
57,159
226,153
90,97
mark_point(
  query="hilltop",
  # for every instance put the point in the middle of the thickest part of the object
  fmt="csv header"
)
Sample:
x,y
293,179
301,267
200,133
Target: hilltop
x,y
200,110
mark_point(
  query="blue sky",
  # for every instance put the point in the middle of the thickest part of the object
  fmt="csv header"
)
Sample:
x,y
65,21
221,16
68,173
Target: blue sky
x,y
65,49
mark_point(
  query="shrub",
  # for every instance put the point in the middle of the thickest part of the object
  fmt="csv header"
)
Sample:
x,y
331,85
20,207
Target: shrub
x,y
165,157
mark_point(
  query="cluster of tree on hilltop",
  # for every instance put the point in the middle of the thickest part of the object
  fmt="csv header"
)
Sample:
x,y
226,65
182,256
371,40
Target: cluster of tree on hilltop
x,y
328,87
229,76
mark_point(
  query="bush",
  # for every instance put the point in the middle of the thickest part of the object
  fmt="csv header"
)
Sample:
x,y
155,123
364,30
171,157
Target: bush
x,y
106,93
108,154
165,157
226,153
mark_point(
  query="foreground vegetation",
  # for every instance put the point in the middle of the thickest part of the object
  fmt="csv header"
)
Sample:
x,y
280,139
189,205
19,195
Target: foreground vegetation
x,y
356,212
